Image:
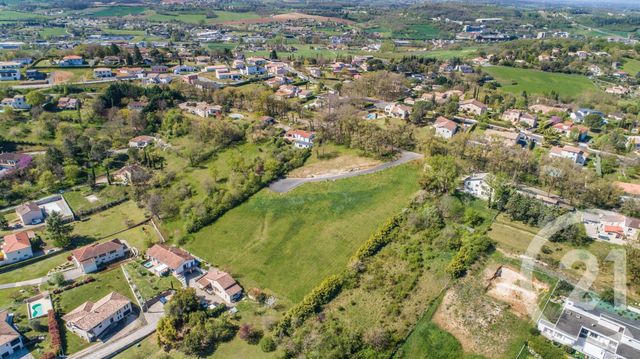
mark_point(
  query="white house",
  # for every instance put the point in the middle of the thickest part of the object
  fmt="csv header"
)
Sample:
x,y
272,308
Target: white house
x,y
445,128
573,153
171,259
181,69
473,106
221,284
397,110
71,60
10,338
10,74
594,332
201,109
477,186
300,138
102,72
90,319
611,226
18,102
17,247
141,141
92,257
30,213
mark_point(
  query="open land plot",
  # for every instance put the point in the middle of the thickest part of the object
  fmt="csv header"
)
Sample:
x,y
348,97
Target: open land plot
x,y
82,200
11,16
516,80
118,11
631,66
514,238
287,243
332,159
198,17
482,324
417,32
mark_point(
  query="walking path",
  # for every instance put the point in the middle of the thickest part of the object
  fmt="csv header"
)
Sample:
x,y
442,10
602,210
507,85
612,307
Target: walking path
x,y
287,184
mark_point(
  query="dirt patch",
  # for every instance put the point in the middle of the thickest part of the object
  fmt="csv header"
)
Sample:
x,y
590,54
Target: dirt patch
x,y
483,325
510,286
92,198
289,17
335,166
59,77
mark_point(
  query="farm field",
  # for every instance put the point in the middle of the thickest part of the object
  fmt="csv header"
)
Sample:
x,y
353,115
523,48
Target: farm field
x,y
631,66
197,17
12,16
516,80
118,11
416,32
287,243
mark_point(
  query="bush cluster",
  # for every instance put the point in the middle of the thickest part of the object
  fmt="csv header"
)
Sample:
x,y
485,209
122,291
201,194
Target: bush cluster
x,y
74,285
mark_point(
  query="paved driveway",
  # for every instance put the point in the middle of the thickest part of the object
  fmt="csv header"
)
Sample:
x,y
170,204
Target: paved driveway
x,y
287,184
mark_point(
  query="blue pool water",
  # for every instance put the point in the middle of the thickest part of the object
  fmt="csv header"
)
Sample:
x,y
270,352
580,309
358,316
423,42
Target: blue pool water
x,y
148,264
36,310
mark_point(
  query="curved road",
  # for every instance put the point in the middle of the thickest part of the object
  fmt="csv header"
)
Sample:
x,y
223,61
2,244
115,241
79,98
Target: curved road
x,y
287,184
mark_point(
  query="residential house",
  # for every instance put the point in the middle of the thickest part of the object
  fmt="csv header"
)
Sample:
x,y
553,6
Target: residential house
x,y
90,319
68,103
315,72
580,114
508,138
201,109
94,256
29,213
445,128
159,69
594,332
181,69
267,120
569,129
171,260
575,154
35,75
102,72
71,60
618,90
287,91
300,138
611,226
473,106
137,106
441,97
141,141
305,94
517,117
221,284
10,74
17,247
131,72
545,110
111,60
14,160
17,102
130,174
465,69
477,186
10,338
397,110
157,79
277,68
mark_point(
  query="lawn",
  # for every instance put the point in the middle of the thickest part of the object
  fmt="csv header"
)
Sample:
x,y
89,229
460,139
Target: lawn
x,y
287,243
118,11
50,32
631,66
148,283
34,270
87,198
8,15
112,220
516,80
106,282
417,32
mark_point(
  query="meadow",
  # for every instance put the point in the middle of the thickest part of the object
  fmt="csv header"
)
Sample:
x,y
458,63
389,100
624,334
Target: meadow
x,y
631,66
12,16
198,17
287,243
118,11
516,80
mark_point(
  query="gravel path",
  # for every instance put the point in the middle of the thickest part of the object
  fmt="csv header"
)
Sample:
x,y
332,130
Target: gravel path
x,y
287,184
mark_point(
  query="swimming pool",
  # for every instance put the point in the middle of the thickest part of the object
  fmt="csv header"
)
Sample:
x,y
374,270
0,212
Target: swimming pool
x,y
148,264
36,310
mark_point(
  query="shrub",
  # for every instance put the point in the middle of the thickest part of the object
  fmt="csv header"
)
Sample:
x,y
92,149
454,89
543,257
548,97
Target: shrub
x,y
54,332
267,344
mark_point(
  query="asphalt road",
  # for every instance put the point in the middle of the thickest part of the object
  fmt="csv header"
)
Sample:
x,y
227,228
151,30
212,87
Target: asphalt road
x,y
287,184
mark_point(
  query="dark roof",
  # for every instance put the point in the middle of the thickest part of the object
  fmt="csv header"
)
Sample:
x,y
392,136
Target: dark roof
x,y
627,351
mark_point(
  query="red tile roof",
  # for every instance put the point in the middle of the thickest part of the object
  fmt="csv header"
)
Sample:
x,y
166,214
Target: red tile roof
x,y
95,249
171,256
17,241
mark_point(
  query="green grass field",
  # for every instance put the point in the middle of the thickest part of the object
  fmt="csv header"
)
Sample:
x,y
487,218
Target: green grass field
x,y
287,243
631,66
516,80
118,11
148,283
11,16
198,17
417,32
78,199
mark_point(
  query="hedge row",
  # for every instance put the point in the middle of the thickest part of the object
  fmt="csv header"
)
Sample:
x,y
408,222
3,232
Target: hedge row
x,y
74,285
101,208
312,302
379,239
331,286
54,332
